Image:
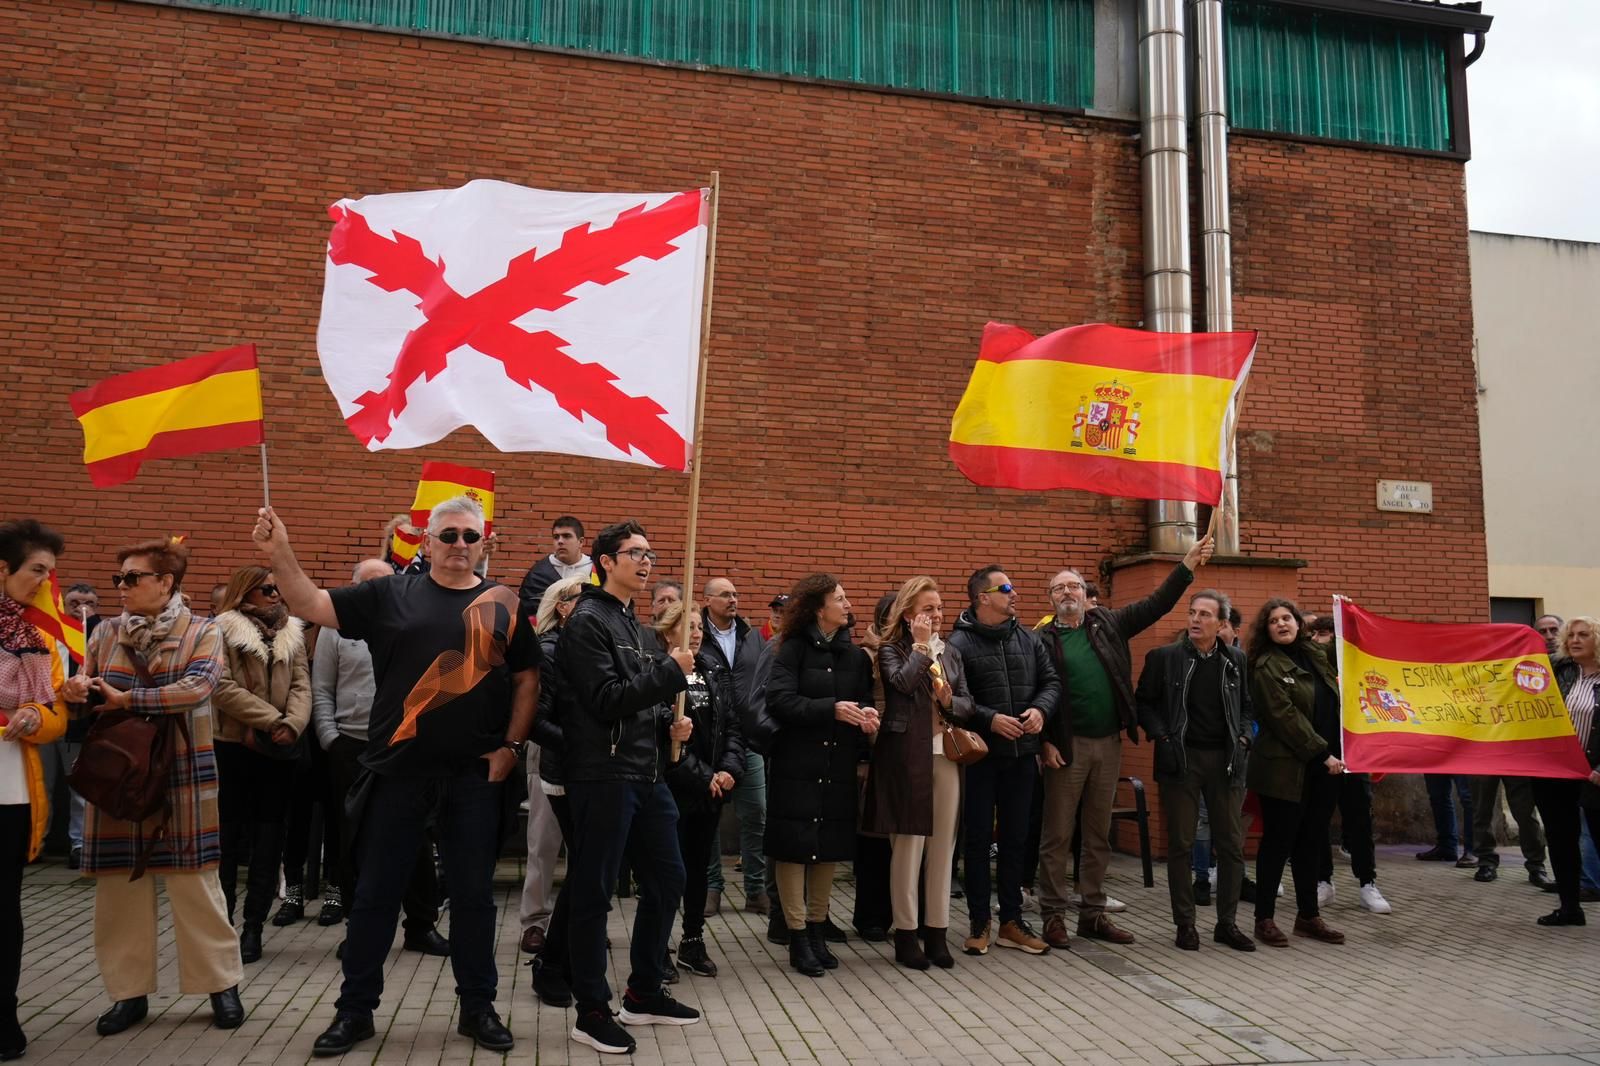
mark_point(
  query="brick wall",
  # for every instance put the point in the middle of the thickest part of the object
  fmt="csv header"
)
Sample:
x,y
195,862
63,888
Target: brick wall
x,y
166,178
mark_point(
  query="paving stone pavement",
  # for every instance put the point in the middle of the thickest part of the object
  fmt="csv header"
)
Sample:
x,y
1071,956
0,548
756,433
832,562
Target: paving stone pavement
x,y
1459,972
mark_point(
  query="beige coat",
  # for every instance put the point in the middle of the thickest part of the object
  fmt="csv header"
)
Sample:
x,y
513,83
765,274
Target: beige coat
x,y
261,684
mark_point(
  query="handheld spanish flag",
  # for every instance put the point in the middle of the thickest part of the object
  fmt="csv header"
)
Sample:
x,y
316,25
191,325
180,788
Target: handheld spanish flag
x,y
1119,412
48,614
403,547
1450,699
202,404
444,481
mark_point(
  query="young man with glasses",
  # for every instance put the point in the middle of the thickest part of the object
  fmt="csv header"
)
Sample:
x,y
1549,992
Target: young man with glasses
x,y
617,722
1082,748
1015,691
457,673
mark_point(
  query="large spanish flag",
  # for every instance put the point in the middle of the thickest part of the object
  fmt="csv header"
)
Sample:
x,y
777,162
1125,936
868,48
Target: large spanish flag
x,y
1120,412
202,404
48,613
1452,699
444,481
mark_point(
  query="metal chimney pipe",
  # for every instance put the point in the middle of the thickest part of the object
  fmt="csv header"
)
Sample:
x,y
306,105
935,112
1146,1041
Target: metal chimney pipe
x,y
1164,193
1216,226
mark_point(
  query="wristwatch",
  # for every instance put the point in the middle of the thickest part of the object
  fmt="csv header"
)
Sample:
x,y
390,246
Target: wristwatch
x,y
515,747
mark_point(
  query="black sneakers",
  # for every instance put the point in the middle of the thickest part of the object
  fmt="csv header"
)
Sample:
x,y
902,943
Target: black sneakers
x,y
599,1030
692,956
659,1009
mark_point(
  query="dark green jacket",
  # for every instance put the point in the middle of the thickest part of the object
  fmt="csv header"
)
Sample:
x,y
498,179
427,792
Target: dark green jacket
x,y
1284,694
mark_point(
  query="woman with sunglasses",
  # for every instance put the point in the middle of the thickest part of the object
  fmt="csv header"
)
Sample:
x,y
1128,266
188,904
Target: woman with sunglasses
x,y
158,659
31,713
263,702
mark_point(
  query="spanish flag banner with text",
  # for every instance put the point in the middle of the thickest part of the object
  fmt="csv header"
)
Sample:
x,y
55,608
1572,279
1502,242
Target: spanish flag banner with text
x,y
48,614
444,481
1451,699
205,403
1119,412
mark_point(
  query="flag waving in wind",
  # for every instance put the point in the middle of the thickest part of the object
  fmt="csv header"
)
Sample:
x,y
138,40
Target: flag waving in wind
x,y
1119,412
550,321
48,614
444,481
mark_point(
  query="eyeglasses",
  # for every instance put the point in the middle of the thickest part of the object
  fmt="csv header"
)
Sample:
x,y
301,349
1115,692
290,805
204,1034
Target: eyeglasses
x,y
269,591
466,536
1064,586
1006,588
131,577
639,555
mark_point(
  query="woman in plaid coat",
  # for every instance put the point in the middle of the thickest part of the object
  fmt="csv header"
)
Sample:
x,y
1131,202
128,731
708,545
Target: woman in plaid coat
x,y
158,659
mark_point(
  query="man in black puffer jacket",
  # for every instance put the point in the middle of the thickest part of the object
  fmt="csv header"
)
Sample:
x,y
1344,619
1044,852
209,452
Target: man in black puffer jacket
x,y
1015,691
616,720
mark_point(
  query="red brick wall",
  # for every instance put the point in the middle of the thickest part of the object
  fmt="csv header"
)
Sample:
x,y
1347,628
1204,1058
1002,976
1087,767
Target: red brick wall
x,y
166,175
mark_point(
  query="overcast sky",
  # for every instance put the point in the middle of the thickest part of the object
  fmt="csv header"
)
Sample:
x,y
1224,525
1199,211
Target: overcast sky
x,y
1535,99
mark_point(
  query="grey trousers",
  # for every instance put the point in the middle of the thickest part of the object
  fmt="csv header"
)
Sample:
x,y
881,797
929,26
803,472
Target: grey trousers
x,y
1519,797
1207,778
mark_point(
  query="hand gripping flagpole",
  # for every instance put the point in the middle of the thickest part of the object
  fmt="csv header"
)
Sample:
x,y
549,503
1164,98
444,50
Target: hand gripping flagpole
x,y
699,422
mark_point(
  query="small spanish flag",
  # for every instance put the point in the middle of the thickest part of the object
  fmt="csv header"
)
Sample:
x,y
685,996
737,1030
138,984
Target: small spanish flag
x,y
1119,412
403,547
48,614
443,481
202,404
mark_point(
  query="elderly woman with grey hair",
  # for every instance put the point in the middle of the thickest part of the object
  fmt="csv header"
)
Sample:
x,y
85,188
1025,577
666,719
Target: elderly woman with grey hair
x,y
1563,801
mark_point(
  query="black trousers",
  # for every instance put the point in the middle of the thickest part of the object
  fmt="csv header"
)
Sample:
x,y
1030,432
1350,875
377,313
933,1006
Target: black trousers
x,y
873,909
1295,832
421,902
696,834
252,803
554,956
311,796
16,823
1557,800
1355,821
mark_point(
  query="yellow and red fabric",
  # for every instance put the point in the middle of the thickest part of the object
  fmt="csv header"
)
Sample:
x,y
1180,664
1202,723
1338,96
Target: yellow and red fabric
x,y
445,481
403,547
205,403
1451,699
1119,412
48,613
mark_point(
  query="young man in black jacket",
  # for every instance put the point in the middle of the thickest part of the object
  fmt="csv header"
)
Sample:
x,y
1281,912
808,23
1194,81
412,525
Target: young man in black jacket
x,y
1015,690
1194,704
616,720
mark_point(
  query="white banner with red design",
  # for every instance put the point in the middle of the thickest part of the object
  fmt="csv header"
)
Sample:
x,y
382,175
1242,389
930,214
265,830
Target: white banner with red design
x,y
549,321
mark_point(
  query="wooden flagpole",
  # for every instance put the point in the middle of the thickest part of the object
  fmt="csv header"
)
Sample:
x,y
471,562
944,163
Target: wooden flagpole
x,y
699,423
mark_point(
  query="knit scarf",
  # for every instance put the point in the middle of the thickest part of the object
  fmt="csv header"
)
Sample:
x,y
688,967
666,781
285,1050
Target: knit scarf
x,y
142,632
24,658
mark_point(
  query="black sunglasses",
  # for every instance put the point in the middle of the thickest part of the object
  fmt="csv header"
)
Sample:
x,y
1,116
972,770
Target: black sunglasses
x,y
131,577
466,536
269,591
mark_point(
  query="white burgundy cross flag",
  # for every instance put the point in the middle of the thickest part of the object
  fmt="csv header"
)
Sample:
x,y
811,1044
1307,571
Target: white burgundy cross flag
x,y
550,321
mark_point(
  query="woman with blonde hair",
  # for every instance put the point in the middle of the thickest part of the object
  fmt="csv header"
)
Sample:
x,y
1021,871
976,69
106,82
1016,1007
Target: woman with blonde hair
x,y
1563,801
913,791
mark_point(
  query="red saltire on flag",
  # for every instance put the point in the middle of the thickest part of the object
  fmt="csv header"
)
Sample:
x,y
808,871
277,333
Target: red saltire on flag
x,y
47,611
550,321
1450,699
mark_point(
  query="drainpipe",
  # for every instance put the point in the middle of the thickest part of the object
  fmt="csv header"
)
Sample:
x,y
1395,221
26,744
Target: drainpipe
x,y
1164,195
1215,227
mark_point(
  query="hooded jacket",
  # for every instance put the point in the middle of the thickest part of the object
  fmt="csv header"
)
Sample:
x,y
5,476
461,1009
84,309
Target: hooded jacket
x,y
1008,671
262,685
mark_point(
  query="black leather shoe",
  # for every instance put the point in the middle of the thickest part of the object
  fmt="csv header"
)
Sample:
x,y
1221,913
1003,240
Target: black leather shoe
x,y
123,1014
777,928
1562,916
429,943
550,986
250,944
486,1028
346,1032
1487,874
832,933
1539,879
226,1010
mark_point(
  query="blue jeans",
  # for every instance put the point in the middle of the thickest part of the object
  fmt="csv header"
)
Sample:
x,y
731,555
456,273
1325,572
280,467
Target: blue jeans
x,y
1202,846
608,818
467,807
750,806
1590,877
999,790
1444,809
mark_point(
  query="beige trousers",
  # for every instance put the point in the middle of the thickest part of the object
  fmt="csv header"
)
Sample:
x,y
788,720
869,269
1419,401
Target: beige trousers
x,y
803,889
1091,780
125,934
929,856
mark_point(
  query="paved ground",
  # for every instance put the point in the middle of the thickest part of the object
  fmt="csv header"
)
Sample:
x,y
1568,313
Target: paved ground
x,y
1458,972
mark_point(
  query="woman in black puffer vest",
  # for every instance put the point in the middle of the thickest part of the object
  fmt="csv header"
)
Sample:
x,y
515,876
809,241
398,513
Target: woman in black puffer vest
x,y
820,696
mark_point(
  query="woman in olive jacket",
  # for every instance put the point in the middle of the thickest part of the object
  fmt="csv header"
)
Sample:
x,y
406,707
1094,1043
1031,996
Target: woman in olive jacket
x,y
913,791
1296,698
819,696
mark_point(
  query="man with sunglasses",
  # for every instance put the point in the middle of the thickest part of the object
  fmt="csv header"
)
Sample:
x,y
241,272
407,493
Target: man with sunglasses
x,y
616,721
1015,691
456,667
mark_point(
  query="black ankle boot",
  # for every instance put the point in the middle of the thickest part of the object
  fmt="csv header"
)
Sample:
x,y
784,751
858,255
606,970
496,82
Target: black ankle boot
x,y
250,943
818,933
937,950
907,952
777,928
801,955
123,1013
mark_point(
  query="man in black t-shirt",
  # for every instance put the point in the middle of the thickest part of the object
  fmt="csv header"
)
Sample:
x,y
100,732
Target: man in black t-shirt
x,y
457,673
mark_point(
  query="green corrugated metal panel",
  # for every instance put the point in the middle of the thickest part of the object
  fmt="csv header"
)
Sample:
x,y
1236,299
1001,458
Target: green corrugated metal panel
x,y
1026,51
1322,75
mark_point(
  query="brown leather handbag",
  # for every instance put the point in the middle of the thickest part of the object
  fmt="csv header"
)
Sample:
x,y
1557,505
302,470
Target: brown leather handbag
x,y
962,746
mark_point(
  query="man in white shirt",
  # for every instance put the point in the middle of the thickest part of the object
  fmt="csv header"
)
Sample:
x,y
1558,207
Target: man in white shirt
x,y
567,560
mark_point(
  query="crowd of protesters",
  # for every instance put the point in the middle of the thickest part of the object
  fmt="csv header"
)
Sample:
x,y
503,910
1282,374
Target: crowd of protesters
x,y
355,745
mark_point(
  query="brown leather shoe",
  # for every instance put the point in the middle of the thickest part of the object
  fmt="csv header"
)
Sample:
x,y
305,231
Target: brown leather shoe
x,y
1101,927
757,905
532,940
1234,937
1188,938
1317,929
713,904
1268,933
1055,931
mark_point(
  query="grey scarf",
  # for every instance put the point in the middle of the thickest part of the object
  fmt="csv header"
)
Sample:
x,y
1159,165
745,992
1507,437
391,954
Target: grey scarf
x,y
142,632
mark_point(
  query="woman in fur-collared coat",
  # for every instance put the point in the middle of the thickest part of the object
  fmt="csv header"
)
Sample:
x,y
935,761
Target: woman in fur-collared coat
x,y
263,705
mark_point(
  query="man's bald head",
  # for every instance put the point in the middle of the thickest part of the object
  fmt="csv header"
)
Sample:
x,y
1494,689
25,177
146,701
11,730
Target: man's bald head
x,y
368,569
722,602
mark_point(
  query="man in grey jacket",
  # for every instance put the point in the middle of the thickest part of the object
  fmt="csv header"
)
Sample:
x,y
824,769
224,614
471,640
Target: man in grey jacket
x,y
342,687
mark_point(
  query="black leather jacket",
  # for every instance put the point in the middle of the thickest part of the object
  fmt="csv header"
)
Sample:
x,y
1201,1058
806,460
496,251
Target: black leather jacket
x,y
547,720
617,687
1164,712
